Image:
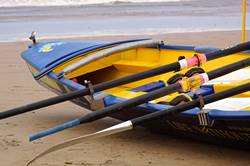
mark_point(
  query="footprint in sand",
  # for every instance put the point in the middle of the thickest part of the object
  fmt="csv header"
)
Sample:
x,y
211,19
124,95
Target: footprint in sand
x,y
80,164
10,124
2,146
11,143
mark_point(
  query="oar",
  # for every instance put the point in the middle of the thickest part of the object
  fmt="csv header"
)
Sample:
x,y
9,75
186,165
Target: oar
x,y
184,85
130,124
184,63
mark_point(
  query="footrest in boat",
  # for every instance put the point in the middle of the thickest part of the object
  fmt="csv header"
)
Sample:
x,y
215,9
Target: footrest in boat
x,y
204,118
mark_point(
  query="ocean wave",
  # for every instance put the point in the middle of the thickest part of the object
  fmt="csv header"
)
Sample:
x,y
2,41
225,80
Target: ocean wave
x,y
20,3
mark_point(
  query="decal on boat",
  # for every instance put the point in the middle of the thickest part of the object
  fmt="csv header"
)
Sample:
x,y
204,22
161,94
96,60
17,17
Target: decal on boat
x,y
49,47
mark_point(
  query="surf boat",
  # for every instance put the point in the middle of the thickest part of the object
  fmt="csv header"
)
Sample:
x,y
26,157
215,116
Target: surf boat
x,y
67,68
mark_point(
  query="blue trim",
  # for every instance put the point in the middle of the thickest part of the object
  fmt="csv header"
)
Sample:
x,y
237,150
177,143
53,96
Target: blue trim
x,y
226,115
55,129
205,90
203,49
64,81
175,47
149,87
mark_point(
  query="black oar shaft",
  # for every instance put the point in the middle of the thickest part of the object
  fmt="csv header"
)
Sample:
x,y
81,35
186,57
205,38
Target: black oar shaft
x,y
228,51
118,82
192,104
41,104
228,68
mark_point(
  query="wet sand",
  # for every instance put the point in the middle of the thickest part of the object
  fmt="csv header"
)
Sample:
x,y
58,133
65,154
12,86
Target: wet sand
x,y
137,147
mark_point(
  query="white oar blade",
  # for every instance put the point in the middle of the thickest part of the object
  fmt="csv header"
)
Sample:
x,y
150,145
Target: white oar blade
x,y
109,131
233,77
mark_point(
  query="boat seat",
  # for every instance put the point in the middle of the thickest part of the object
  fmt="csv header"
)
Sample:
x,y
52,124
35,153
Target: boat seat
x,y
134,66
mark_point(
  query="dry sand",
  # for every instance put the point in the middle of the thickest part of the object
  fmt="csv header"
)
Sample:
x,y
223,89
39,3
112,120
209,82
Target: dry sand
x,y
137,147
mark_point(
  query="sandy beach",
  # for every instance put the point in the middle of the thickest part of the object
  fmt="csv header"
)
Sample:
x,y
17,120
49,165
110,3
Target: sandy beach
x,y
138,147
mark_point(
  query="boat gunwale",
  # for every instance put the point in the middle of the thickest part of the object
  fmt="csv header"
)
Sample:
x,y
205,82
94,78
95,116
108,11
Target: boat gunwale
x,y
52,65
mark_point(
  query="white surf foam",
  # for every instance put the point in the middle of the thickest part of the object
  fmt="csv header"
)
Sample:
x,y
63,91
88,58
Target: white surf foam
x,y
19,3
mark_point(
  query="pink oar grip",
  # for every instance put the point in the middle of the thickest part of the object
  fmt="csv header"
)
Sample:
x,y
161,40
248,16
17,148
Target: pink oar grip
x,y
193,61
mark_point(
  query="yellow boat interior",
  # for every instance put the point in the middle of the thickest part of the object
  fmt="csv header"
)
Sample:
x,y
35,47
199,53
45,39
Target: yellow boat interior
x,y
140,59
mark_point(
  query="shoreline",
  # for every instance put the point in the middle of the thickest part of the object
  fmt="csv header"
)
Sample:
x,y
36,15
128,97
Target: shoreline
x,y
176,38
87,3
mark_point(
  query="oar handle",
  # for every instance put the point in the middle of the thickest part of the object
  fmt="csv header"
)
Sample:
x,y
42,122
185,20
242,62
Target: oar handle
x,y
228,51
55,129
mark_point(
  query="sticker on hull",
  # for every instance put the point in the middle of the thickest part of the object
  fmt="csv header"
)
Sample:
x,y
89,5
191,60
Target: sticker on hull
x,y
49,47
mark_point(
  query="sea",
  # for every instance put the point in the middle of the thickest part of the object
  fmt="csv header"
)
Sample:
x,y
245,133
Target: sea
x,y
86,18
